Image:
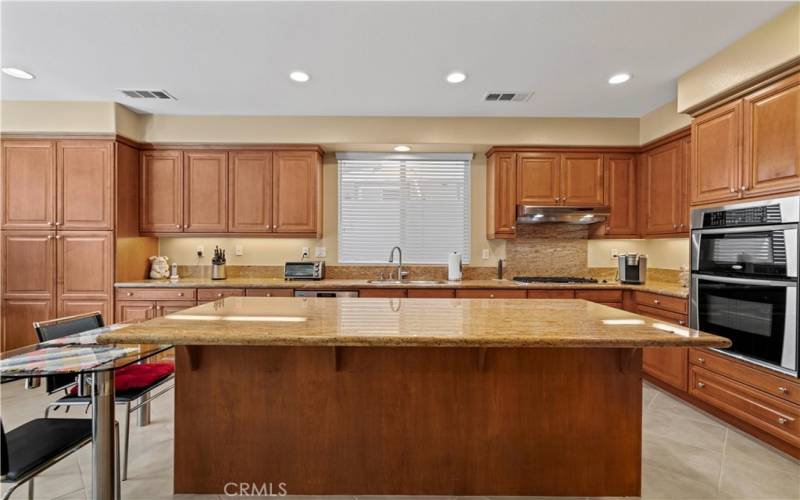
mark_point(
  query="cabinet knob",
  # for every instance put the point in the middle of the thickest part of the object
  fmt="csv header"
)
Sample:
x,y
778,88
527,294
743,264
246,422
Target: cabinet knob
x,y
681,322
178,226
700,385
701,360
680,226
513,227
733,190
219,295
491,295
58,223
656,301
743,188
50,236
51,223
269,295
268,226
180,294
557,198
129,294
782,420
58,236
783,390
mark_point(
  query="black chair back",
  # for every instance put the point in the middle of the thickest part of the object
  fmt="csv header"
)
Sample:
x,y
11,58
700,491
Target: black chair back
x,y
61,327
3,453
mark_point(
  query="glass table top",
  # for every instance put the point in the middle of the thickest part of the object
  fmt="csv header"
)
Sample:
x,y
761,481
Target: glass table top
x,y
78,353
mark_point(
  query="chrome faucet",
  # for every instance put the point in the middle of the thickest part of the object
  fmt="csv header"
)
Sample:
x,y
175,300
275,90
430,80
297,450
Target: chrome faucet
x,y
399,262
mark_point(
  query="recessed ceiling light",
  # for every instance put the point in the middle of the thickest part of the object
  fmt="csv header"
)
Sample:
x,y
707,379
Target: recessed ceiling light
x,y
402,149
456,77
18,73
619,78
299,76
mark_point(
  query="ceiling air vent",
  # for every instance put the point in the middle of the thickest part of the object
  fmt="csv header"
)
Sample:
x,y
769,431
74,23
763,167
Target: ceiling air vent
x,y
508,96
147,94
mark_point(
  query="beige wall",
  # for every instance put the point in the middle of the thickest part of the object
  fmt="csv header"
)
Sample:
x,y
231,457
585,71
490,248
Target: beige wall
x,y
57,116
775,42
668,253
662,121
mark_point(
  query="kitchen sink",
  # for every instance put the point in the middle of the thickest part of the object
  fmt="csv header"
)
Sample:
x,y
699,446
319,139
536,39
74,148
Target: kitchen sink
x,y
387,282
409,282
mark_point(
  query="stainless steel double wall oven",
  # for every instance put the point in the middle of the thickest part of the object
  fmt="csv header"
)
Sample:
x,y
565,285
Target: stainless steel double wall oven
x,y
744,279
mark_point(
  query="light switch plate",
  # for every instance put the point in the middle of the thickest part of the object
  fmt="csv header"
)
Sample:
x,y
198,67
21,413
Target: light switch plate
x,y
304,253
319,252
200,250
485,254
238,250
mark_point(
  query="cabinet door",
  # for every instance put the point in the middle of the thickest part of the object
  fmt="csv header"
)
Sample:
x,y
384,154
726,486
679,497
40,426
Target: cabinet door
x,y
29,264
71,307
85,171
582,180
134,311
716,158
296,191
205,192
18,318
29,184
161,204
165,307
538,181
505,195
662,172
771,139
85,265
684,203
250,192
668,364
621,179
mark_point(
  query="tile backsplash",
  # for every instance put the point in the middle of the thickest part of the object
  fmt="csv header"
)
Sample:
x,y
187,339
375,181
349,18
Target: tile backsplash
x,y
548,250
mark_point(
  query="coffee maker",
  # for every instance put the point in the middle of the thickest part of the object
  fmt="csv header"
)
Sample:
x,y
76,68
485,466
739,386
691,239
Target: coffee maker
x,y
632,268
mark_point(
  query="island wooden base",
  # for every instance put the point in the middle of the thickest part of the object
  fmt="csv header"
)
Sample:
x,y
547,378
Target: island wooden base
x,y
409,420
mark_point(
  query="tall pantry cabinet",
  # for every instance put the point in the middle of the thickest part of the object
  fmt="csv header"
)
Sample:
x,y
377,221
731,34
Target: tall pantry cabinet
x,y
58,229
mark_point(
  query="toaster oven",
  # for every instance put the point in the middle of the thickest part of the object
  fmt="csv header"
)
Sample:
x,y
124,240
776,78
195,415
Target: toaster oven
x,y
305,270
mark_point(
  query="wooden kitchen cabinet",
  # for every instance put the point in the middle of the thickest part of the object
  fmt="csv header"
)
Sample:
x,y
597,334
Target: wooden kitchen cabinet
x,y
134,311
205,192
269,292
501,196
297,192
382,293
667,364
716,154
433,293
771,129
663,190
582,180
85,180
538,179
478,293
211,294
85,267
250,192
161,180
29,184
620,175
29,264
19,314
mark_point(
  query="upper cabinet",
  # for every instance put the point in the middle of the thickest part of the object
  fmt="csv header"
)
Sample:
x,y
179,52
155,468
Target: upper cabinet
x,y
250,192
538,179
771,139
501,186
582,180
716,155
663,189
748,147
58,184
205,178
207,191
29,184
296,192
620,175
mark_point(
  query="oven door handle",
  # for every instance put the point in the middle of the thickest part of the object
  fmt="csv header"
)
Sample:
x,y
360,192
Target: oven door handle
x,y
746,229
744,281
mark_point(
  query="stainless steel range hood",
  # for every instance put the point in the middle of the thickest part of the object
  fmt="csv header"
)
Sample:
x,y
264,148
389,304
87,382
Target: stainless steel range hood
x,y
527,214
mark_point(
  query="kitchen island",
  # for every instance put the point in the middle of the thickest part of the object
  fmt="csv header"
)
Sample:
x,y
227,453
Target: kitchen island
x,y
409,396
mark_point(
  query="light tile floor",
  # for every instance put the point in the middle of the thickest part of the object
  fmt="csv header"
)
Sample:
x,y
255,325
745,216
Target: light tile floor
x,y
687,455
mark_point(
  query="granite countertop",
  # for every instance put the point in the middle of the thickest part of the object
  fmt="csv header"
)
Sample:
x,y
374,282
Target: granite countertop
x,y
671,289
300,321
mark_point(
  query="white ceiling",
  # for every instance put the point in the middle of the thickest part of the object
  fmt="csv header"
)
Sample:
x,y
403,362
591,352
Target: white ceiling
x,y
378,59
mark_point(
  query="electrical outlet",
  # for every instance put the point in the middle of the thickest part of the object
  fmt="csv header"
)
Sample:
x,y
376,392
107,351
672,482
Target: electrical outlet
x,y
200,250
319,252
304,253
238,250
614,253
485,254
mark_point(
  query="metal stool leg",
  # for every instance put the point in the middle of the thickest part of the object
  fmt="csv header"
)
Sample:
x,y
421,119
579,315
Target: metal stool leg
x,y
117,472
127,441
143,413
30,489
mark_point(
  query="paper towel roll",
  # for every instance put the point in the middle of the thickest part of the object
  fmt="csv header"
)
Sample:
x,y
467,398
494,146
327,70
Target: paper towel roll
x,y
454,266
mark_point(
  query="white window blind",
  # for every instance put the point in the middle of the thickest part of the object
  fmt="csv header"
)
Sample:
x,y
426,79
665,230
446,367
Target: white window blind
x,y
419,203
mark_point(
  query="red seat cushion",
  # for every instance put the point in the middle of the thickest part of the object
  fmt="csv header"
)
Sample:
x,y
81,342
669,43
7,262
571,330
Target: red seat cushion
x,y
137,377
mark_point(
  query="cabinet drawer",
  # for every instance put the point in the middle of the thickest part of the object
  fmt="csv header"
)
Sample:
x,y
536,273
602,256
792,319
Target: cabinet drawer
x,y
672,304
669,317
164,307
490,294
416,293
269,292
155,294
206,294
617,305
605,296
740,372
766,412
382,292
551,294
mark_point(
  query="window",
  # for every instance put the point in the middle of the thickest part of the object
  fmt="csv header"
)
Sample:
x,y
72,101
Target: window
x,y
417,202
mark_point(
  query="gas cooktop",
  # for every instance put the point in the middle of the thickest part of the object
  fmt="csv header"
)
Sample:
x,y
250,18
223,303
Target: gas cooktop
x,y
552,279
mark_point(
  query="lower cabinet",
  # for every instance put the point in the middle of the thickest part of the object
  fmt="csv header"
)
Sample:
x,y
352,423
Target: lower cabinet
x,y
18,318
447,293
667,364
134,311
382,292
478,293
